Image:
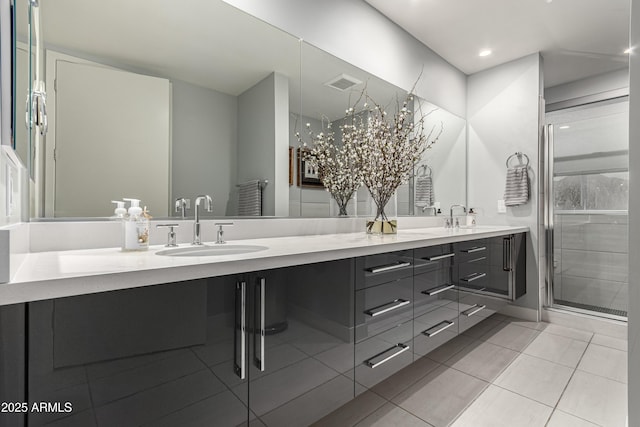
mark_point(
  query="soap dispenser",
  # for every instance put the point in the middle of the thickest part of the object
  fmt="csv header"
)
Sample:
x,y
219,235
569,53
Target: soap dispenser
x,y
136,228
120,211
471,218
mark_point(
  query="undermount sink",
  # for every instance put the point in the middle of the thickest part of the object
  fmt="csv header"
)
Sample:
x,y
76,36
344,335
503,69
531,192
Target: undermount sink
x,y
216,250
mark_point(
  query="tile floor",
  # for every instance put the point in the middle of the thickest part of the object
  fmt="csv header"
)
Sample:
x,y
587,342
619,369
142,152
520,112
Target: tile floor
x,y
503,372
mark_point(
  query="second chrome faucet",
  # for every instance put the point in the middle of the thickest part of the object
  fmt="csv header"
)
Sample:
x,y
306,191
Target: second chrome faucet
x,y
208,206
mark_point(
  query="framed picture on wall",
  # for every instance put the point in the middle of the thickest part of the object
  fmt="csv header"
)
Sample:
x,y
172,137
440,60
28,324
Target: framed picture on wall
x,y
290,165
308,175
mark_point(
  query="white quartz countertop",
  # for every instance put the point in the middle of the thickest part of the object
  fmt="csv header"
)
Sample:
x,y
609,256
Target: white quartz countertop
x,y
56,274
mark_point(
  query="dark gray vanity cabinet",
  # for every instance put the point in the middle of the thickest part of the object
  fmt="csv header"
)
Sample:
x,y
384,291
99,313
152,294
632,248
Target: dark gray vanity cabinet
x,y
435,298
272,348
489,273
383,315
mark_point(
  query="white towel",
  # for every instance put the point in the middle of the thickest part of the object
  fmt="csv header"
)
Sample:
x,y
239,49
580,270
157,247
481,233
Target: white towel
x,y
516,190
250,199
424,191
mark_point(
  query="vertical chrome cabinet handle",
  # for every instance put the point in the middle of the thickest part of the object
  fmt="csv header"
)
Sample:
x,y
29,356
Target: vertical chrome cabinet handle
x,y
259,328
506,253
241,299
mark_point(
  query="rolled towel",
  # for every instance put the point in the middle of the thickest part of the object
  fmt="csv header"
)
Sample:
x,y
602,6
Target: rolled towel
x,y
516,191
424,191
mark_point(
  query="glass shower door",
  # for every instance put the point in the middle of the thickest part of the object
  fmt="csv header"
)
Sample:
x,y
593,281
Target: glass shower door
x,y
589,173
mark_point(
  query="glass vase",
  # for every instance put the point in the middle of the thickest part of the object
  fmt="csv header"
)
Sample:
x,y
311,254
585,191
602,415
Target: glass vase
x,y
341,207
383,220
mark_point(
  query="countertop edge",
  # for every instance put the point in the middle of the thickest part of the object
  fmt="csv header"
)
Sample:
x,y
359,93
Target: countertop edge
x,y
104,281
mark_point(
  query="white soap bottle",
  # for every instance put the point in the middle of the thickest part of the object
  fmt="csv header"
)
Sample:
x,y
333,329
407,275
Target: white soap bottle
x,y
471,218
136,228
120,212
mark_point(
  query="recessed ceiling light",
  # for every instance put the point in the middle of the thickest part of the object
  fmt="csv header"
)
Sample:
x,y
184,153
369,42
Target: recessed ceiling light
x,y
565,127
484,52
549,1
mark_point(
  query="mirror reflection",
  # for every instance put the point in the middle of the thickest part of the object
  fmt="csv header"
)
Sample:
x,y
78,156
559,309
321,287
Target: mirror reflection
x,y
167,108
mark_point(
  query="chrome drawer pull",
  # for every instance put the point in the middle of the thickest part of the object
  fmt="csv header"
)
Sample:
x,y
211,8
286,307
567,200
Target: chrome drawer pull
x,y
482,258
474,276
473,310
381,358
438,328
385,308
474,249
438,289
439,257
389,267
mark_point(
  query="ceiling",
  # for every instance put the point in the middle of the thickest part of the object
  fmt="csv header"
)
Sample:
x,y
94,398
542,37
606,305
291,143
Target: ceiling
x,y
577,38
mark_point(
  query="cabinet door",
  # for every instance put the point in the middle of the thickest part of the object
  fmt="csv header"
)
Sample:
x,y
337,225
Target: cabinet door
x,y
301,346
134,360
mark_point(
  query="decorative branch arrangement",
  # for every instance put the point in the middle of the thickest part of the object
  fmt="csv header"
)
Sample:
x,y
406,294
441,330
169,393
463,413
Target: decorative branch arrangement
x,y
376,150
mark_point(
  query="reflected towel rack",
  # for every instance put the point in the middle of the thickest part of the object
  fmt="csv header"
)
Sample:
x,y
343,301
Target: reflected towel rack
x,y
425,170
519,155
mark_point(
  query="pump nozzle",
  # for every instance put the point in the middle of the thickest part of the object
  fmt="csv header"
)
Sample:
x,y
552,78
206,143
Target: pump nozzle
x,y
120,211
135,209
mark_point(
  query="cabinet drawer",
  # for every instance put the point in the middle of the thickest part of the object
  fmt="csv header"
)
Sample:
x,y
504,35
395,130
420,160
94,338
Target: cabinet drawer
x,y
473,276
474,308
374,270
435,328
383,355
473,251
433,258
382,307
432,290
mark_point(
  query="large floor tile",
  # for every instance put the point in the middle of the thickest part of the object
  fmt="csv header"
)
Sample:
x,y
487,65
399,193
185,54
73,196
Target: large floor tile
x,y
536,378
77,395
596,399
611,342
514,337
557,349
392,416
223,409
79,419
313,405
497,407
562,419
483,360
606,362
439,397
563,331
450,348
405,378
353,412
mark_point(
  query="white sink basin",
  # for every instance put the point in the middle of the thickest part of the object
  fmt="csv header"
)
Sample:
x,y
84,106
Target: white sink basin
x,y
217,250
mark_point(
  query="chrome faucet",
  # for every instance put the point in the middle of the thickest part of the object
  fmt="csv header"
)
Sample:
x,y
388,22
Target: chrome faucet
x,y
435,210
464,209
181,206
208,205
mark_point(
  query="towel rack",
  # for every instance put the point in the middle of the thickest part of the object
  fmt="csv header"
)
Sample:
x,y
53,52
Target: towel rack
x,y
262,183
519,155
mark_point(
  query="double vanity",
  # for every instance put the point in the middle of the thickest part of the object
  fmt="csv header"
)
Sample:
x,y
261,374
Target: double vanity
x,y
283,329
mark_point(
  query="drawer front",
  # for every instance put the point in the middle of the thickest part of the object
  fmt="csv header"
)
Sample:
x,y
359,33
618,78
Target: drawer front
x,y
435,328
383,307
433,258
432,290
477,251
473,276
474,308
374,270
383,355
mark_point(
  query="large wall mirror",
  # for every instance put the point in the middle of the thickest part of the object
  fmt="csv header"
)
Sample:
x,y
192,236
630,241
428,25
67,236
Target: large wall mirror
x,y
162,100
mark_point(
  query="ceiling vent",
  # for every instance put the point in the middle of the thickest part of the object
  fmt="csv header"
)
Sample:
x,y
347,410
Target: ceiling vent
x,y
343,82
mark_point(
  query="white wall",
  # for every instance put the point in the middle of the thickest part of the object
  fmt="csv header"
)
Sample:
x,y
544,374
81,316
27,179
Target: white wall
x,y
263,141
634,219
601,84
204,152
355,32
503,117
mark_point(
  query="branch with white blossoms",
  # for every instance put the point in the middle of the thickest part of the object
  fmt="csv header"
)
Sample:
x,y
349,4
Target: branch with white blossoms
x,y
337,164
391,148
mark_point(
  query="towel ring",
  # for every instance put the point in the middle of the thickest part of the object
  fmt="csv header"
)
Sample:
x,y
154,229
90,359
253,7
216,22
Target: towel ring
x,y
519,155
426,170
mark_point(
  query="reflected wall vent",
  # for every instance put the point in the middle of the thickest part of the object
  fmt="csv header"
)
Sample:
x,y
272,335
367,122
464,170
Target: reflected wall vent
x,y
343,82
